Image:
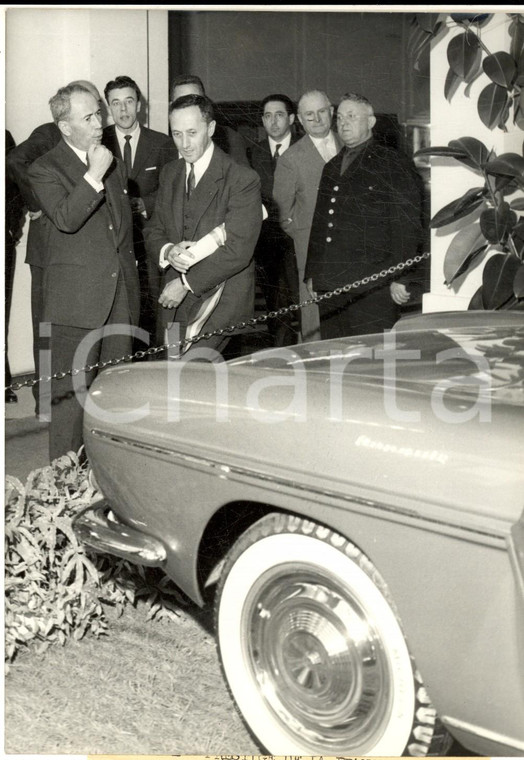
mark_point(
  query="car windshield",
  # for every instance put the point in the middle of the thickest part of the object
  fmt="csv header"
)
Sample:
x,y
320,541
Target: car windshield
x,y
493,357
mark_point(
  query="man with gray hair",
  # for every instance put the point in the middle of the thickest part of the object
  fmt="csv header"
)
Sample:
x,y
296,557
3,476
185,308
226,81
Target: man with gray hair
x,y
91,294
367,218
297,176
40,141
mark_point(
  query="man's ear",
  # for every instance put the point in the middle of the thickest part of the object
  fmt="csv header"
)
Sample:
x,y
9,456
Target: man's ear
x,y
372,121
211,128
291,118
64,128
138,106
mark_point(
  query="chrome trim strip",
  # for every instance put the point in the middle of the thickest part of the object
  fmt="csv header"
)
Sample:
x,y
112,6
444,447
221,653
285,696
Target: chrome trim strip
x,y
491,736
226,469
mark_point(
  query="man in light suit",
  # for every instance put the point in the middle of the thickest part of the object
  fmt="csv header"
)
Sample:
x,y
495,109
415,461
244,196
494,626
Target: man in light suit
x,y
90,278
297,177
199,193
274,254
146,154
40,141
367,219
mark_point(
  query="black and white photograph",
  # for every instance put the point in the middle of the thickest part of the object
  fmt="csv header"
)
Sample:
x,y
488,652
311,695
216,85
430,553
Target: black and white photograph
x,y
264,381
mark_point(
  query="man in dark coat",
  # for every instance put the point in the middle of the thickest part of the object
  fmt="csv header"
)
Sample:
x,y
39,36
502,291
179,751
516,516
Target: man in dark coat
x,y
40,141
274,255
204,194
90,278
144,151
367,218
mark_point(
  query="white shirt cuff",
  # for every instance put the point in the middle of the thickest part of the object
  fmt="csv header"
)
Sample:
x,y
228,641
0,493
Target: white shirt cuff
x,y
162,262
98,186
186,284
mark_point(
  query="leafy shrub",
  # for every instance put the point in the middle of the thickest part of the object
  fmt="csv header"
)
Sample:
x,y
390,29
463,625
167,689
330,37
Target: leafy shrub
x,y
54,587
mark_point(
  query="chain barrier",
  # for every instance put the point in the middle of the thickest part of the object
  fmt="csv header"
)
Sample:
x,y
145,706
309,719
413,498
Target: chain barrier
x,y
153,350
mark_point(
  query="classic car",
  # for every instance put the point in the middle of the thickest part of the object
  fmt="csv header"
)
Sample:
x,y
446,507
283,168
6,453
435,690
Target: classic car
x,y
354,509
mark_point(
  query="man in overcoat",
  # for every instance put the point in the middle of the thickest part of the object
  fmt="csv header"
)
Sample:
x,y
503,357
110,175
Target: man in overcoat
x,y
367,219
297,177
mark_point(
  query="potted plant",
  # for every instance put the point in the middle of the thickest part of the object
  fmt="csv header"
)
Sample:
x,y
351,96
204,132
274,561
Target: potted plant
x,y
490,208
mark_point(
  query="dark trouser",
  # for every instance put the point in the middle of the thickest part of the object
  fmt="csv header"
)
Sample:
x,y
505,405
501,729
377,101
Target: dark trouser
x,y
10,263
41,391
68,394
277,277
347,314
150,288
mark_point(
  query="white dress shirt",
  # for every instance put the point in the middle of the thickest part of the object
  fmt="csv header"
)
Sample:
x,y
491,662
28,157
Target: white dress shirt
x,y
133,142
284,144
326,146
82,155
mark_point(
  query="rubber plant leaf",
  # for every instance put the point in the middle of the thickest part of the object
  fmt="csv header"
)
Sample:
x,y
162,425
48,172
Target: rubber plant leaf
x,y
507,165
517,204
497,223
451,84
458,208
518,110
476,152
470,18
518,238
464,55
429,22
491,105
518,282
442,150
500,68
465,247
516,31
498,278
476,303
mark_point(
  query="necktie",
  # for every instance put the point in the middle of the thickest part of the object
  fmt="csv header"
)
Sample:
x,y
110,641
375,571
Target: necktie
x,y
128,161
276,154
324,150
191,181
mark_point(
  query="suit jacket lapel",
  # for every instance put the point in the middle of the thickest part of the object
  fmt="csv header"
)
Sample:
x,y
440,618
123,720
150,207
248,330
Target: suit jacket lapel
x,y
178,197
142,152
207,188
114,185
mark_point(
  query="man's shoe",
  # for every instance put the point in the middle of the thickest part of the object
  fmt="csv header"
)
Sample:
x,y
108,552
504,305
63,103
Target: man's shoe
x,y
10,396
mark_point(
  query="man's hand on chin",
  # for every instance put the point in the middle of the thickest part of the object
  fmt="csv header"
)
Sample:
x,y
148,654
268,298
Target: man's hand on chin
x,y
173,294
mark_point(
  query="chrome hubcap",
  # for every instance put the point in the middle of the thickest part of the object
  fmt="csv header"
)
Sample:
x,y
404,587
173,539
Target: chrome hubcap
x,y
317,658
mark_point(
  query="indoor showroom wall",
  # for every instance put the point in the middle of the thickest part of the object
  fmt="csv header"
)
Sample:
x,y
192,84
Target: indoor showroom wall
x,y
45,49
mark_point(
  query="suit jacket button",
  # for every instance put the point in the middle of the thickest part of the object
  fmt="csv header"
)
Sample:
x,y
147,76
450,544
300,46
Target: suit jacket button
x,y
335,188
110,226
333,200
330,224
113,274
331,211
328,240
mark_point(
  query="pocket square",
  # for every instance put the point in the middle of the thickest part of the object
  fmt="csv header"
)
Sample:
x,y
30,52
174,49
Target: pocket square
x,y
150,168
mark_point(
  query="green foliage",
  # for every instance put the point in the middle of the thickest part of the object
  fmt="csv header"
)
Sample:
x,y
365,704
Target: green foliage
x,y
54,588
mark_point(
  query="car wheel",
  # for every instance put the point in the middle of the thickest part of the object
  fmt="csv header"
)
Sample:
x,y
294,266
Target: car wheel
x,y
312,648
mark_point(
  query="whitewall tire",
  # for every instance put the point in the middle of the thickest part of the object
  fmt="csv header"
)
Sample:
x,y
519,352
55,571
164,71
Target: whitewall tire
x,y
312,648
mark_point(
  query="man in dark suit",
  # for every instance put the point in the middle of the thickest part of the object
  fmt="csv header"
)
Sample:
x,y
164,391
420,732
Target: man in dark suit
x,y
14,216
40,141
90,278
204,194
367,218
144,151
274,254
227,139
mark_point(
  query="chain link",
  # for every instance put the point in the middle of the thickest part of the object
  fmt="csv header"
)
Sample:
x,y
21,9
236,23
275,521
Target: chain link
x,y
153,350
